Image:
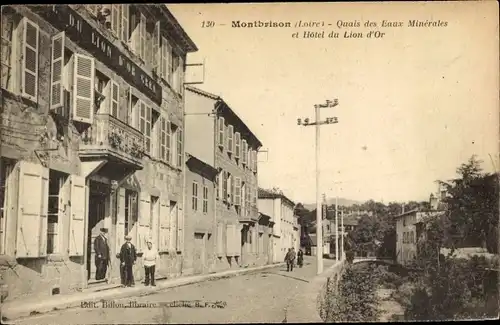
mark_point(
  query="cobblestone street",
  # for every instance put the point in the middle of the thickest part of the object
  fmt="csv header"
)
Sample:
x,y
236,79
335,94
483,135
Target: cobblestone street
x,y
257,297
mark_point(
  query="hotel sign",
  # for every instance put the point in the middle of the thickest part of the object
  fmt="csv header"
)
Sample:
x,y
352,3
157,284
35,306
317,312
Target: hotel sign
x,y
86,36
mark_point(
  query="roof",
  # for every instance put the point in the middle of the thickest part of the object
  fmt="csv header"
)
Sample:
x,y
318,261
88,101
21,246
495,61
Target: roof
x,y
223,109
267,194
188,43
207,170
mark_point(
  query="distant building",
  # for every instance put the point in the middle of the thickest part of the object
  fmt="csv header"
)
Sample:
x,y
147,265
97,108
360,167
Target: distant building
x,y
286,230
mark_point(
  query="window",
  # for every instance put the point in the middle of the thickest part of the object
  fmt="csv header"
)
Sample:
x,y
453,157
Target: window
x,y
221,133
5,171
156,54
142,38
56,185
166,59
205,199
249,158
145,125
229,186
155,133
224,185
237,191
244,152
194,199
125,15
237,145
230,143
163,139
220,184
173,63
115,95
30,60
180,153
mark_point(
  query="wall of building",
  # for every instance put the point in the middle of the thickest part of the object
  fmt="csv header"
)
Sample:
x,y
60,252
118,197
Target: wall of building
x,y
30,134
406,248
201,147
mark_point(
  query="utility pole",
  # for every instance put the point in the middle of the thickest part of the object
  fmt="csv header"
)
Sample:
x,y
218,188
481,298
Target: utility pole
x,y
319,225
337,227
342,244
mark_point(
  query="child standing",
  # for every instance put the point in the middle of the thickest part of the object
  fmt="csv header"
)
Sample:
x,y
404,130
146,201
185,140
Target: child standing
x,y
149,260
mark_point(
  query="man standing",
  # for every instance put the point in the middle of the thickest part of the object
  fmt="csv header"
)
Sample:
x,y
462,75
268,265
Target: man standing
x,y
128,257
102,255
150,256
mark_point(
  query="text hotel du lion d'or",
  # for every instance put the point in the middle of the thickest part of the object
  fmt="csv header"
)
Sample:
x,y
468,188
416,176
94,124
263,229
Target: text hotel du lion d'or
x,y
354,29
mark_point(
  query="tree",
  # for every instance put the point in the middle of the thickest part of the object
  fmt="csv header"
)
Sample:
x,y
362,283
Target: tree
x,y
472,205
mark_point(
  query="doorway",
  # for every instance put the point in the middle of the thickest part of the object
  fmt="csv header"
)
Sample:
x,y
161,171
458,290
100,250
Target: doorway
x,y
199,253
97,212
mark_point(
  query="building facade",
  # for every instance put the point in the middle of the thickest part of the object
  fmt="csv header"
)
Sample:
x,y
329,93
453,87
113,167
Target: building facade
x,y
286,233
219,137
91,137
199,216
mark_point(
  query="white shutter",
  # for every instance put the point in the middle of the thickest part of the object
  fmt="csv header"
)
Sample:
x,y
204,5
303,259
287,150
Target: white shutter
x,y
125,22
237,145
164,225
254,160
56,89
244,152
221,132
230,143
237,191
144,217
180,230
83,92
156,48
181,75
77,222
115,19
142,37
164,58
120,220
114,99
220,240
229,240
30,60
32,210
173,227
237,240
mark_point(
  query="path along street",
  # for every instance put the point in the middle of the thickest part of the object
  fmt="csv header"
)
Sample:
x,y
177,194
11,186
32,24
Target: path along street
x,y
256,297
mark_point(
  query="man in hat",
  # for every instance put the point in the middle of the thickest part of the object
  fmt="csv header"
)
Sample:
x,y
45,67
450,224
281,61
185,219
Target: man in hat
x,y
128,257
150,256
102,254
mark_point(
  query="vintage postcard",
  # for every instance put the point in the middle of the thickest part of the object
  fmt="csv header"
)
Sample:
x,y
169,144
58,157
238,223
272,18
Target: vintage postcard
x,y
249,162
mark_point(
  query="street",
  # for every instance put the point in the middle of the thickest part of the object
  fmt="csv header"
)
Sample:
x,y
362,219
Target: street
x,y
257,297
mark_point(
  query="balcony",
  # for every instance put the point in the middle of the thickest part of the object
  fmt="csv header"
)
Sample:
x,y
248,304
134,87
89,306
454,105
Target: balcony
x,y
251,216
114,141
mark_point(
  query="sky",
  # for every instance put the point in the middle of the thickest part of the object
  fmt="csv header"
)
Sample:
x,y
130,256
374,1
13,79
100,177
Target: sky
x,y
413,105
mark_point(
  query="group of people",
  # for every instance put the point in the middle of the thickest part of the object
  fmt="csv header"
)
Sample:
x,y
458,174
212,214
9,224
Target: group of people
x,y
290,259
128,257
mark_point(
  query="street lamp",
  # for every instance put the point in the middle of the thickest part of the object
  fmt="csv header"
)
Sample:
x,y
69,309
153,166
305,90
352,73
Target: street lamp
x,y
318,123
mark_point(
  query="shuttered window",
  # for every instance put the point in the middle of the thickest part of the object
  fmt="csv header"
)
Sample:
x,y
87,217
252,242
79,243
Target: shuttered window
x,y
163,139
221,137
156,48
165,58
57,62
169,142
115,19
205,199
244,151
30,45
237,191
77,215
179,147
125,26
54,217
142,37
172,65
237,145
194,198
115,95
6,168
145,125
7,50
83,92
230,144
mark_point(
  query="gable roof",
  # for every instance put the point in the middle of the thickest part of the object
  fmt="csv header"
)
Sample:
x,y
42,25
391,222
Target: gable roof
x,y
267,194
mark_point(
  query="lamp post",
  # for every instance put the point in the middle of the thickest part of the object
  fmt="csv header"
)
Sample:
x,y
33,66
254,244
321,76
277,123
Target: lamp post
x,y
318,123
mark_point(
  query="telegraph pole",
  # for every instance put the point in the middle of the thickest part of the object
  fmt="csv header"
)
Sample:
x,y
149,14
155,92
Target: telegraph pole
x,y
337,227
317,122
342,226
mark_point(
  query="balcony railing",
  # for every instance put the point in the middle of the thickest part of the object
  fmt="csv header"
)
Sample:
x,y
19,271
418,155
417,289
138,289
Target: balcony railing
x,y
110,137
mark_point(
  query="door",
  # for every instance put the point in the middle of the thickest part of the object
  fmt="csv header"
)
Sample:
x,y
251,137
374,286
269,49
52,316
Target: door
x,y
97,213
199,253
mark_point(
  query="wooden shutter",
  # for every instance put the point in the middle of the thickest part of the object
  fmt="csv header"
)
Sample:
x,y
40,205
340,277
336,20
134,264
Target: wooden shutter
x,y
229,240
164,225
144,217
125,22
224,185
164,59
244,152
83,92
77,222
181,75
32,210
142,37
237,191
237,145
114,99
180,230
30,60
120,220
56,89
220,240
230,138
173,227
156,48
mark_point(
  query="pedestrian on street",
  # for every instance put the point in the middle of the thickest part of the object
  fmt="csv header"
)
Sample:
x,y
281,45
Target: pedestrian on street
x,y
290,259
128,257
150,257
102,254
300,258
